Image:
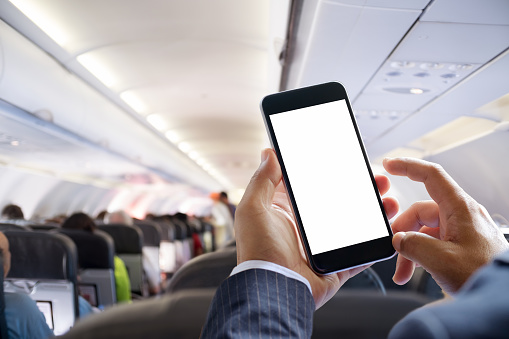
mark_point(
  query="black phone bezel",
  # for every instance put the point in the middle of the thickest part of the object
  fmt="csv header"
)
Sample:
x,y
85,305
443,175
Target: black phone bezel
x,y
351,256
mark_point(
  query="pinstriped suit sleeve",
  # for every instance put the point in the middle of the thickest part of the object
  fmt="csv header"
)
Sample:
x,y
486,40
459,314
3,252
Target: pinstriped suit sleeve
x,y
259,303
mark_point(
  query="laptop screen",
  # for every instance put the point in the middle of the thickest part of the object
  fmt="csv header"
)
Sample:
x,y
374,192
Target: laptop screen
x,y
89,293
46,308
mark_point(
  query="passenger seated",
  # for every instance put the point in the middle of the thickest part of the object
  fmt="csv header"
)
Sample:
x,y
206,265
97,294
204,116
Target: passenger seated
x,y
150,266
12,214
81,221
23,318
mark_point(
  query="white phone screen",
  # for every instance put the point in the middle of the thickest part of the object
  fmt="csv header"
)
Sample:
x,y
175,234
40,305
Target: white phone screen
x,y
328,175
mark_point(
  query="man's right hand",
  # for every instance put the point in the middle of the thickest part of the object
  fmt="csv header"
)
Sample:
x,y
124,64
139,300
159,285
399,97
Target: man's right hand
x,y
450,236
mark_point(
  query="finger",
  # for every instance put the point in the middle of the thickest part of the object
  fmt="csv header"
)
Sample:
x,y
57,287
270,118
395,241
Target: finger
x,y
417,247
382,183
440,186
404,270
263,184
391,206
422,213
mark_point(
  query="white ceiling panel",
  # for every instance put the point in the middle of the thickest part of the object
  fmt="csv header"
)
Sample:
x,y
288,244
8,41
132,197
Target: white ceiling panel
x,y
458,43
361,42
487,12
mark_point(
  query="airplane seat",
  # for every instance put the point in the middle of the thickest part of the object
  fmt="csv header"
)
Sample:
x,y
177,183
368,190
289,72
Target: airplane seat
x,y
167,248
181,249
209,270
364,314
96,262
44,227
128,242
13,227
44,266
3,323
208,237
179,315
151,249
205,271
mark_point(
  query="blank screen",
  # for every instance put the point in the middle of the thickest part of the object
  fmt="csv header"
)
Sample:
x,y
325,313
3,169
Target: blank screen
x,y
46,308
328,175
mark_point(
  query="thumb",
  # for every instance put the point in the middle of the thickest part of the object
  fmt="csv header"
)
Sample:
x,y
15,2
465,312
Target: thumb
x,y
263,184
419,248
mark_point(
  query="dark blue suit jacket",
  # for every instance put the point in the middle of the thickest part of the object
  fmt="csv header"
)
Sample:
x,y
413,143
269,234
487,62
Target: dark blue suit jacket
x,y
259,304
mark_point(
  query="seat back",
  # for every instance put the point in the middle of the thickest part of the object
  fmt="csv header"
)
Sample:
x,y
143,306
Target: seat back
x,y
364,314
152,235
97,270
44,266
209,270
44,227
13,227
181,315
128,246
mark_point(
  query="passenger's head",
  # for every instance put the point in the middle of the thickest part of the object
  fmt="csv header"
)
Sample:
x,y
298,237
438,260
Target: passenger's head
x,y
4,249
12,212
118,217
80,221
223,197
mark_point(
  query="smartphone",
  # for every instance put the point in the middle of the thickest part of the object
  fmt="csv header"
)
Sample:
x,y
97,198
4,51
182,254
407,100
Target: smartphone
x,y
326,172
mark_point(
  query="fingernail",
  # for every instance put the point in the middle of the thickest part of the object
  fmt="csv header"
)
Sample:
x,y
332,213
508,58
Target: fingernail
x,y
396,240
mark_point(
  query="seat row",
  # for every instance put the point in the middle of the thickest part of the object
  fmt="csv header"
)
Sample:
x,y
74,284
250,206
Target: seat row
x,y
46,261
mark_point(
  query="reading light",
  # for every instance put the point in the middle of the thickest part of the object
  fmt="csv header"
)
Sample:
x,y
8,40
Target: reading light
x,y
431,65
460,67
97,68
416,91
402,64
134,102
406,90
15,143
157,121
39,15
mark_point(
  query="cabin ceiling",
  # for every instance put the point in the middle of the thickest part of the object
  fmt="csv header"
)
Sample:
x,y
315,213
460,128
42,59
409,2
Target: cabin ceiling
x,y
192,72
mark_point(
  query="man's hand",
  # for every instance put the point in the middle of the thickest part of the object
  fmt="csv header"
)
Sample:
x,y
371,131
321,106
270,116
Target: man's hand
x,y
450,236
265,228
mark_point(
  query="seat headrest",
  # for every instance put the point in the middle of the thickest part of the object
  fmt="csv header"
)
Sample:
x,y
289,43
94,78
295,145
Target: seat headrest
x,y
13,227
151,233
205,271
95,250
127,239
42,255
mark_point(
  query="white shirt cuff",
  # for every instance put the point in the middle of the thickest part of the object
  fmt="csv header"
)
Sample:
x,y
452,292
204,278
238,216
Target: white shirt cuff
x,y
270,266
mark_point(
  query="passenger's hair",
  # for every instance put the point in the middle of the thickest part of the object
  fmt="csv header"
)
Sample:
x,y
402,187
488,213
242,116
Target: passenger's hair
x,y
223,195
80,221
101,215
118,217
12,212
